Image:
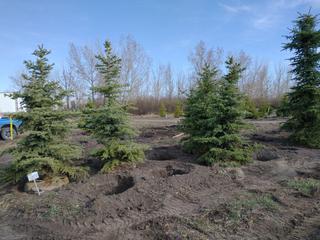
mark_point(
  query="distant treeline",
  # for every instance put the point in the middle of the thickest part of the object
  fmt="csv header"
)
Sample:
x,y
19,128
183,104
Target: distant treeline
x,y
149,85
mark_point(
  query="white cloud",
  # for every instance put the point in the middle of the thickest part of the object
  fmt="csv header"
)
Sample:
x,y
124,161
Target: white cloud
x,y
264,22
268,13
236,8
296,3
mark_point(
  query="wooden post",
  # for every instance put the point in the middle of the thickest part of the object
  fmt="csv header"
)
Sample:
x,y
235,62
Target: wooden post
x,y
11,128
35,183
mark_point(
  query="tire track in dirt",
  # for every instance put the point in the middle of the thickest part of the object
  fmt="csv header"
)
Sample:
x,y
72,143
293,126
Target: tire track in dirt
x,y
160,197
168,206
170,190
308,228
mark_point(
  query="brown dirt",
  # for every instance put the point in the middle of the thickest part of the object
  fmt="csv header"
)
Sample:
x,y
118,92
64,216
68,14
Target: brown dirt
x,y
170,197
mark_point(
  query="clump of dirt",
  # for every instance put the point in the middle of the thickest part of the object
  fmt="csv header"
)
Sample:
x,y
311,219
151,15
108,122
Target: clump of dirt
x,y
176,171
266,154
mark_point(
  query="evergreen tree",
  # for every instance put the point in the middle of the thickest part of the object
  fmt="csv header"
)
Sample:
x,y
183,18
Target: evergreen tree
x,y
283,109
162,110
178,112
43,149
304,99
109,123
213,115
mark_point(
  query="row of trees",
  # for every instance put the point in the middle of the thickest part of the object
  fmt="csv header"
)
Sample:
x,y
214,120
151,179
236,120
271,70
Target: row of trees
x,y
148,83
44,148
212,121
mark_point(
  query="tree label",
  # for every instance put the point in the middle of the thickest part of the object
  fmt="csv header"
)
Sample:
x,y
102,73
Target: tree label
x,y
33,176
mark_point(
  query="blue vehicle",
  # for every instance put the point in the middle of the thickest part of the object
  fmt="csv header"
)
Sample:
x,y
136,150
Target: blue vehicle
x,y
5,127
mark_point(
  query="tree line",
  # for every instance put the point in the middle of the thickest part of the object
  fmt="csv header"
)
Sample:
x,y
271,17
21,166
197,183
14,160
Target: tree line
x,y
148,85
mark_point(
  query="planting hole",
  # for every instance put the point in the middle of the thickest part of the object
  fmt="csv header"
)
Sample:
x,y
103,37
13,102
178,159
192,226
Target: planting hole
x,y
124,183
163,153
177,171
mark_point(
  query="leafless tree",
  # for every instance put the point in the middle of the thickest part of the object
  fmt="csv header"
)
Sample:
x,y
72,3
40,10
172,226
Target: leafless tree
x,y
157,82
281,84
68,83
262,81
202,55
168,81
135,68
17,80
83,62
182,84
246,61
255,79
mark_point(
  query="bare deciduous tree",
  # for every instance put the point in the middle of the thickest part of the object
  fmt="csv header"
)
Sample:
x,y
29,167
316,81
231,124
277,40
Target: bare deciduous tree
x,y
281,84
83,63
182,84
168,82
157,82
68,83
202,55
17,80
135,68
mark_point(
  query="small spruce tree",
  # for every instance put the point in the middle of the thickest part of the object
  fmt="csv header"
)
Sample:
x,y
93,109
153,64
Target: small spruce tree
x,y
178,112
109,123
303,104
162,110
43,149
213,114
250,108
283,109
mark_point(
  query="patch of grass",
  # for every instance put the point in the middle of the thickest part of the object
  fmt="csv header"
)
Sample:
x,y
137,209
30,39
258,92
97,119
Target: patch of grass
x,y
52,211
65,211
239,209
305,186
231,164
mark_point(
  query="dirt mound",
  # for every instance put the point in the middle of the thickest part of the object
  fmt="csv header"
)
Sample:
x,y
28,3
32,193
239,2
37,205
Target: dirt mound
x,y
267,154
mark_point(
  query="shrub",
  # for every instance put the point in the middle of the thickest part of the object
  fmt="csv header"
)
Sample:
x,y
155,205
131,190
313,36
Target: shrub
x,y
264,109
250,109
162,110
178,112
283,109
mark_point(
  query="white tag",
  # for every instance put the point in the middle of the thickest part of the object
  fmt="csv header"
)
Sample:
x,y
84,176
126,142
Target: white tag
x,y
33,176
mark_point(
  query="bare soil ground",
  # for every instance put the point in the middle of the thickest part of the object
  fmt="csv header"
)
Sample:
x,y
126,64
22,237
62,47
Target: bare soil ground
x,y
170,197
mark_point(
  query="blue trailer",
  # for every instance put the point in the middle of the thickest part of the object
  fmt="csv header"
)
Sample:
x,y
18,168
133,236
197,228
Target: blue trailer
x,y
5,132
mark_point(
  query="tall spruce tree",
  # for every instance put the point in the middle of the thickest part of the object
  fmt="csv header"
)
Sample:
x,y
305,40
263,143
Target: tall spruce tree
x,y
43,149
109,123
213,115
304,100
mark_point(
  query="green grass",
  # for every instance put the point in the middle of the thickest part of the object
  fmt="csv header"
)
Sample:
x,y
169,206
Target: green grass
x,y
240,208
305,186
64,210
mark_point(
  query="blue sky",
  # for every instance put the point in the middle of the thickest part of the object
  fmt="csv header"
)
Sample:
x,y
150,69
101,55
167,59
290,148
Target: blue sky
x,y
167,29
